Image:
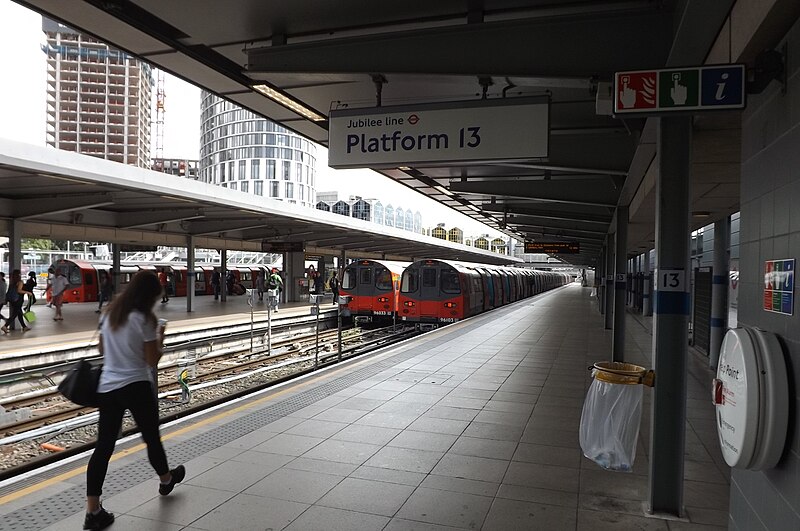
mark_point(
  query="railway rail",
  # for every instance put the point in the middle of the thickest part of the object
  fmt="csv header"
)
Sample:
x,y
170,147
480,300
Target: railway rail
x,y
239,373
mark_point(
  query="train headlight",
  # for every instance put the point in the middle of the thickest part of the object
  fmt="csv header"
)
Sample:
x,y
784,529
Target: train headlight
x,y
383,299
450,305
409,303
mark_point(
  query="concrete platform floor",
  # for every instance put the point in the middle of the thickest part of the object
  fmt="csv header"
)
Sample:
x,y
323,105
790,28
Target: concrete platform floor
x,y
474,426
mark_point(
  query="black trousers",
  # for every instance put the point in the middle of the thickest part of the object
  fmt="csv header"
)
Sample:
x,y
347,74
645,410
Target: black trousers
x,y
139,399
31,302
15,312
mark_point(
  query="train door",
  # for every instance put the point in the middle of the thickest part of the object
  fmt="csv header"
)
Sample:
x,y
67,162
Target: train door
x,y
498,289
384,301
486,280
89,285
202,279
178,283
429,292
365,289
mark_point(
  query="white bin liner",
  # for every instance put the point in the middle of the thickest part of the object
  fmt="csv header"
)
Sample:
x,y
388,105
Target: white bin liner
x,y
610,422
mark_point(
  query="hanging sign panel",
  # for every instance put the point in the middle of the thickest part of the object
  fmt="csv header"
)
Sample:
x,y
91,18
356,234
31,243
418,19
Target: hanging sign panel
x,y
281,247
553,247
693,89
779,286
482,130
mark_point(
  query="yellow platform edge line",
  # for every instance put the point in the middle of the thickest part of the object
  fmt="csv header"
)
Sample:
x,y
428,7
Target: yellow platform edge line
x,y
133,449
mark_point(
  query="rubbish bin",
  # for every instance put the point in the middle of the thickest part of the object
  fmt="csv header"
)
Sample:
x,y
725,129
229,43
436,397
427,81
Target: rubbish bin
x,y
612,413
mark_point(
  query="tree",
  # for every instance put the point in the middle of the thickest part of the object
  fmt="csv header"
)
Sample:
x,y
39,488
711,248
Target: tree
x,y
39,244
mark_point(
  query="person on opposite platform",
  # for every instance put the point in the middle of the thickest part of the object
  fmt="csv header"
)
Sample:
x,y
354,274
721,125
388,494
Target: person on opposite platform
x,y
15,296
58,287
30,285
131,343
260,284
3,289
48,290
275,286
105,290
333,283
162,279
215,280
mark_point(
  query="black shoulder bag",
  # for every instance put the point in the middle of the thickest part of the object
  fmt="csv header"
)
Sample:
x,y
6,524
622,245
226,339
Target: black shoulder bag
x,y
80,385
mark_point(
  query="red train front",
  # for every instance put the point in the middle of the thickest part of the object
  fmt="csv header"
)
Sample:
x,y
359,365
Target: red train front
x,y
439,291
372,287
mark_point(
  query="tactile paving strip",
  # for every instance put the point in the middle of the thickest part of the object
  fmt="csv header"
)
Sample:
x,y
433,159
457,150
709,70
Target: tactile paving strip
x,y
55,508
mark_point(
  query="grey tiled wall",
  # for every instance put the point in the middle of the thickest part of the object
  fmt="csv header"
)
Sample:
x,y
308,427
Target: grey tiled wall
x,y
770,229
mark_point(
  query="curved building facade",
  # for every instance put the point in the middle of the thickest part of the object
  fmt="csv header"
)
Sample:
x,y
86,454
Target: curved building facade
x,y
242,151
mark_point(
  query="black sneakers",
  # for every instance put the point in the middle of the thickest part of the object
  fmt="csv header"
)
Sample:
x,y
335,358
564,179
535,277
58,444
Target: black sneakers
x,y
97,521
178,473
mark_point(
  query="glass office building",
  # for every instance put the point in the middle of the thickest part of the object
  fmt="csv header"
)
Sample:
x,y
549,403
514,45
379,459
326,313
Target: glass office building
x,y
241,151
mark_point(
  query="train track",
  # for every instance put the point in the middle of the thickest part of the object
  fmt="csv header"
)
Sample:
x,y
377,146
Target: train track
x,y
217,341
297,358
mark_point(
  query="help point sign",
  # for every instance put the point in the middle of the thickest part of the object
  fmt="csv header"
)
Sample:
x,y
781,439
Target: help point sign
x,y
481,130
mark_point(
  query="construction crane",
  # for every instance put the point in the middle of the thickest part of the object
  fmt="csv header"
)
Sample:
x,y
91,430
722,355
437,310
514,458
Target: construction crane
x,y
158,162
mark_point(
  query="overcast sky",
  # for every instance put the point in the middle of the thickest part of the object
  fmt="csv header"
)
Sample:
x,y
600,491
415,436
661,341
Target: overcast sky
x,y
23,118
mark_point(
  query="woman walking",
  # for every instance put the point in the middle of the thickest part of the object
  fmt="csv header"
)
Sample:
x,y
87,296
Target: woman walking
x,y
105,289
15,297
131,343
30,285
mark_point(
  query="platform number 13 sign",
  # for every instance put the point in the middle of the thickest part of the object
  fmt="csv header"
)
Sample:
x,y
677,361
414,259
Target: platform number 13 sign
x,y
671,280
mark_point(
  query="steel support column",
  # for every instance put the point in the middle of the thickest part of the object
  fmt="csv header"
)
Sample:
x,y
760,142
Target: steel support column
x,y
620,283
609,295
190,273
719,288
116,267
647,308
223,275
600,281
14,246
670,325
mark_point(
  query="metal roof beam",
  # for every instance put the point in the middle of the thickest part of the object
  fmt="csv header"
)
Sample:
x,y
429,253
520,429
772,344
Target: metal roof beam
x,y
586,191
33,208
470,49
525,215
131,220
205,228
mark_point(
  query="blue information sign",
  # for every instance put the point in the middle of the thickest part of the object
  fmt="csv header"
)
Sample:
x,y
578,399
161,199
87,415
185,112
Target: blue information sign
x,y
722,86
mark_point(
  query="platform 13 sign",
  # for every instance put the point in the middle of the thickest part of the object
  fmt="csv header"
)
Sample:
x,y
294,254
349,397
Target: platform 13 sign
x,y
671,280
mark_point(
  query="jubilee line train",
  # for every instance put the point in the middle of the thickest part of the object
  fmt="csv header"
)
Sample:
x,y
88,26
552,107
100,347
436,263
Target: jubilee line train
x,y
438,291
84,277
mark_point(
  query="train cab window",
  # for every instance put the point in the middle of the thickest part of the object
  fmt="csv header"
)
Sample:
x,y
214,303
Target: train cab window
x,y
449,282
429,278
73,274
383,279
365,273
410,282
349,278
88,279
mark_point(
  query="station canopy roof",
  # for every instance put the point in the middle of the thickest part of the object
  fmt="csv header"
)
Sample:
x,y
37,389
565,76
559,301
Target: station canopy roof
x,y
309,57
63,195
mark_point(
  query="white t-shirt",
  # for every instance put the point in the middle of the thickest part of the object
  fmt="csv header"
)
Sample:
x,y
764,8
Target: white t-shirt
x,y
123,352
59,285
